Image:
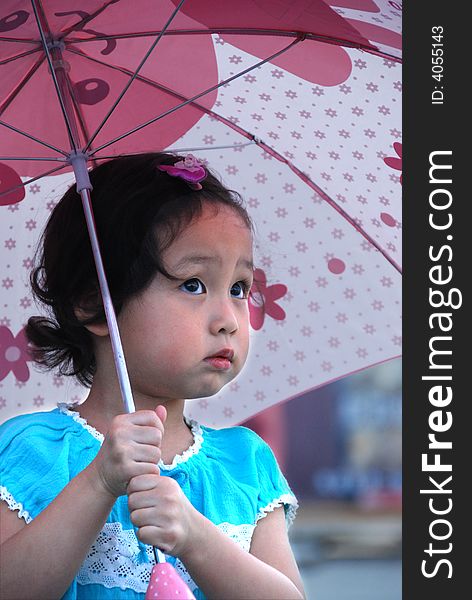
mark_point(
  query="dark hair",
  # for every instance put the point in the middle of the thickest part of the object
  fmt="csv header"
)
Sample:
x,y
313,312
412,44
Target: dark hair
x,y
139,211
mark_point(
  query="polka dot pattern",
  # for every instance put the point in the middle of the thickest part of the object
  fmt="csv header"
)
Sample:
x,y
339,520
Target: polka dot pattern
x,y
165,584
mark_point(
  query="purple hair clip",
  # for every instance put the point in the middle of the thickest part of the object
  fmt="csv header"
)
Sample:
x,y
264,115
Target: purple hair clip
x,y
190,170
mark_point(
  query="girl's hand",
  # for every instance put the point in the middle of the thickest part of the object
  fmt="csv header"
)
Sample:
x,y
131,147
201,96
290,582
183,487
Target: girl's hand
x,y
163,514
131,448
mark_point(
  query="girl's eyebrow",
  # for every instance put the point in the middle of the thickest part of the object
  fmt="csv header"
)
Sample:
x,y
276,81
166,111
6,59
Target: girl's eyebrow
x,y
192,260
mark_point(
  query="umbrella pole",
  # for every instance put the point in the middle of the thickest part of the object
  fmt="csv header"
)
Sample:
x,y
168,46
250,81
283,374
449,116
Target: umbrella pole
x,y
78,161
84,186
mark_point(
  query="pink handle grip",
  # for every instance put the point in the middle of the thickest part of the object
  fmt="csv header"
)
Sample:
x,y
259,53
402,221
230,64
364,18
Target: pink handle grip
x,y
165,584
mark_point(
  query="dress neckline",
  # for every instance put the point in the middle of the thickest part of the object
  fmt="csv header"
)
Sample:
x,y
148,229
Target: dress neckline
x,y
192,450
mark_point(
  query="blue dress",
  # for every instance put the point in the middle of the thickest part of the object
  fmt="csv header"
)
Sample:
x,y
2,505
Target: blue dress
x,y
230,475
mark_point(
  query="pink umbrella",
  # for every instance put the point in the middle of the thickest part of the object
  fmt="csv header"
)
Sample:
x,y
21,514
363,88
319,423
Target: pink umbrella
x,y
297,105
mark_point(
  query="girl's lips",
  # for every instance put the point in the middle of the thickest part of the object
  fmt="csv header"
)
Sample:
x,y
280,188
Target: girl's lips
x,y
222,359
223,353
218,362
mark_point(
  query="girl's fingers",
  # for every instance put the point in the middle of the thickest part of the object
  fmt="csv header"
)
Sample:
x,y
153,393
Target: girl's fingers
x,y
142,517
155,535
145,453
144,468
147,435
150,534
142,483
145,417
139,501
161,412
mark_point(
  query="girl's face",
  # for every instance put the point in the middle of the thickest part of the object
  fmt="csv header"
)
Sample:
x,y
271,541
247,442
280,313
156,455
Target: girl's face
x,y
188,338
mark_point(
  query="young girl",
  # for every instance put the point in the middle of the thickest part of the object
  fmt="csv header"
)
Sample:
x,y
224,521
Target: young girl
x,y
87,491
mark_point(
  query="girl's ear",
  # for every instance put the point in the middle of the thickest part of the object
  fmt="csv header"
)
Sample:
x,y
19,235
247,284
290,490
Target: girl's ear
x,y
100,329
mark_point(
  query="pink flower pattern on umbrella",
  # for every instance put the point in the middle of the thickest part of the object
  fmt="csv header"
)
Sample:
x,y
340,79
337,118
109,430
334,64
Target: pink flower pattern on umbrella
x,y
262,300
393,161
10,180
13,354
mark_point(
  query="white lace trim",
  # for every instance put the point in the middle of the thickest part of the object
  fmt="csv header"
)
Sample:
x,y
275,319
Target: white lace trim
x,y
241,534
65,410
192,450
283,499
14,505
178,459
112,560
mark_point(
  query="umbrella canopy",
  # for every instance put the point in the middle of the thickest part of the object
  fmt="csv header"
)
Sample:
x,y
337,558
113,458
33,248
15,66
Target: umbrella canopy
x,y
296,105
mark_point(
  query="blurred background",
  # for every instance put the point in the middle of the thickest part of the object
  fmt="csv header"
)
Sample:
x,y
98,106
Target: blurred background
x,y
340,448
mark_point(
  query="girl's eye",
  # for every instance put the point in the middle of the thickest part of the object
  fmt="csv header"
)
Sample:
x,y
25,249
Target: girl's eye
x,y
193,286
240,290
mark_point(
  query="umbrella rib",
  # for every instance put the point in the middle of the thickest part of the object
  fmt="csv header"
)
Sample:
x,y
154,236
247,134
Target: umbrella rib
x,y
234,31
133,77
26,77
19,40
191,100
17,56
272,32
53,73
204,148
25,183
177,150
35,158
77,108
32,137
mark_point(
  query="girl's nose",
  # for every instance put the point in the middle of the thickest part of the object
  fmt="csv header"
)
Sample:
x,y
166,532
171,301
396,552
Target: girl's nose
x,y
224,319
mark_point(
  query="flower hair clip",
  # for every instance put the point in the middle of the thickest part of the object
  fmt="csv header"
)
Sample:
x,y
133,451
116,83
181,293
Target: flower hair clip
x,y
190,169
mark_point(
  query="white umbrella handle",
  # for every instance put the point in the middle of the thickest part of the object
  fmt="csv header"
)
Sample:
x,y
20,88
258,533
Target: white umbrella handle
x,y
78,161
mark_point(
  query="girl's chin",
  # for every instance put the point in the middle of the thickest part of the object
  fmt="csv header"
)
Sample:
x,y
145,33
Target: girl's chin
x,y
202,385
207,389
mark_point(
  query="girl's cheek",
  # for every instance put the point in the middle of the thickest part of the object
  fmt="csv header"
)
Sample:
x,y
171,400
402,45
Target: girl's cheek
x,y
245,317
244,337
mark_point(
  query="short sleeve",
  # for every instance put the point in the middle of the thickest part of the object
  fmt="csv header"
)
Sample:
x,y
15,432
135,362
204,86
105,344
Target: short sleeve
x,y
37,461
274,489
